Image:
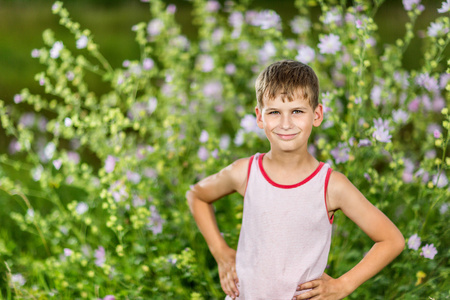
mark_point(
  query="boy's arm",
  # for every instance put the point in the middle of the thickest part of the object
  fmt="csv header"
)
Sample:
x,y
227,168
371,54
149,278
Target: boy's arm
x,y
200,198
389,241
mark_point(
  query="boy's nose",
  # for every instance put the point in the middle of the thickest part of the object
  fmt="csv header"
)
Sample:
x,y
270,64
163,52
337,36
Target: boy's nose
x,y
286,122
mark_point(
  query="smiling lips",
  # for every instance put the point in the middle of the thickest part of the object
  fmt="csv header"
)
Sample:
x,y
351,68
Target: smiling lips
x,y
287,136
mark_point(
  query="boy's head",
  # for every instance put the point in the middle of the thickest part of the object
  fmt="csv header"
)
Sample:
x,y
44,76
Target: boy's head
x,y
287,77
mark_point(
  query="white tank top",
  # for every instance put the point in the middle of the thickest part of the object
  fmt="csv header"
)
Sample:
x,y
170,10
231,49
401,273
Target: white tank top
x,y
285,235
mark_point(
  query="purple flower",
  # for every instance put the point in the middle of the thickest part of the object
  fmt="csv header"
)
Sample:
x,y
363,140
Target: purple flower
x,y
305,54
230,69
429,83
206,63
414,104
217,36
56,49
375,95
110,163
154,27
138,201
400,116
155,221
213,89
212,6
17,98
203,153
171,8
367,177
180,42
333,16
14,147
437,133
381,132
409,4
364,143
148,64
266,19
133,177
57,164
224,141
248,123
82,42
444,208
445,7
118,191
35,53
67,252
73,157
441,180
341,153
429,251
109,297
150,173
236,19
267,51
215,153
204,136
300,25
100,256
329,44
239,138
414,242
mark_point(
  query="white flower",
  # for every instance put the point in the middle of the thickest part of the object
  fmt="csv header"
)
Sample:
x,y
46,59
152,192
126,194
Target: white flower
x,y
436,29
81,208
17,279
329,44
82,42
445,7
57,47
300,25
305,54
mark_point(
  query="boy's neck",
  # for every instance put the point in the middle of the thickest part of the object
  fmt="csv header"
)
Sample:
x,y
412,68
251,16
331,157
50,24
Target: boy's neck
x,y
290,160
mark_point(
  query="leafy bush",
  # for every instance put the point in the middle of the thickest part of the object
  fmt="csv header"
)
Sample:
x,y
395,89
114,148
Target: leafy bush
x,y
93,185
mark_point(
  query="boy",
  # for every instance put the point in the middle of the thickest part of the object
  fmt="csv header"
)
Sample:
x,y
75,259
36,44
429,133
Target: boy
x,y
289,202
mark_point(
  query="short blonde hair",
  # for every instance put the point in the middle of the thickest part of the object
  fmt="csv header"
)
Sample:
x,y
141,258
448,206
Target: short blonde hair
x,y
287,77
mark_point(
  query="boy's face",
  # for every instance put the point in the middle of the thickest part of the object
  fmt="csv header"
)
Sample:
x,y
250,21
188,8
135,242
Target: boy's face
x,y
288,125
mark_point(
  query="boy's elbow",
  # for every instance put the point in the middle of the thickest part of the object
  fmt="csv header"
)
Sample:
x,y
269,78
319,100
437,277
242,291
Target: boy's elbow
x,y
399,243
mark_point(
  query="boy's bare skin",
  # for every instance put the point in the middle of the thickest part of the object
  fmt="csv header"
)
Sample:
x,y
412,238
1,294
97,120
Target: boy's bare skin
x,y
288,126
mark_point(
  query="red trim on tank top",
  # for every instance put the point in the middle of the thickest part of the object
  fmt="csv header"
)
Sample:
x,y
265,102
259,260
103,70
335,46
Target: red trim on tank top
x,y
248,172
283,186
327,178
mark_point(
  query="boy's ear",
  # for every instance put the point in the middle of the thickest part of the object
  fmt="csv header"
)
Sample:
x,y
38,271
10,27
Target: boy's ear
x,y
259,120
318,115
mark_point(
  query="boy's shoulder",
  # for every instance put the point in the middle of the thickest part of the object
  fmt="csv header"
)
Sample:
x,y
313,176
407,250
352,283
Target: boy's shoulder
x,y
237,172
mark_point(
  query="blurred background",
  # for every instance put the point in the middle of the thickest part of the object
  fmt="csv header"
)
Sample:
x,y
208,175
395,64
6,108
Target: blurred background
x,y
23,21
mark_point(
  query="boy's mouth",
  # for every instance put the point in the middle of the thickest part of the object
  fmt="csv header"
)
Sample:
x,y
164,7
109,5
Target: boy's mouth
x,y
287,136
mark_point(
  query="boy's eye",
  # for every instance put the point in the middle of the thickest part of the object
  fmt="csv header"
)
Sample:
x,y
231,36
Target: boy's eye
x,y
297,111
274,112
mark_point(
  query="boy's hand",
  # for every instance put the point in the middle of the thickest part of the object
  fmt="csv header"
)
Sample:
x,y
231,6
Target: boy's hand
x,y
325,287
227,272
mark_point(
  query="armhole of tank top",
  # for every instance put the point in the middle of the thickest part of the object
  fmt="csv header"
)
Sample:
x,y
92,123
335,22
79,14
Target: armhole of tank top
x,y
327,178
249,168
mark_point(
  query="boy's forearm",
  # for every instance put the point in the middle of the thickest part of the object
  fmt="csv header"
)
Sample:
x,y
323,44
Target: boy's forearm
x,y
379,256
204,216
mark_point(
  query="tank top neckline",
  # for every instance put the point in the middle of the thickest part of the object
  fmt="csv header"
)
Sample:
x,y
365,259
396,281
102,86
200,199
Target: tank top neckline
x,y
288,186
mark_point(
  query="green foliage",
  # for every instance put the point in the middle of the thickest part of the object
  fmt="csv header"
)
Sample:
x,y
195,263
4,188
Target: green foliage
x,y
93,187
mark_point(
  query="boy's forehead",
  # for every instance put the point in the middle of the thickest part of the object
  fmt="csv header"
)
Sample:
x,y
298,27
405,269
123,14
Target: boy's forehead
x,y
297,97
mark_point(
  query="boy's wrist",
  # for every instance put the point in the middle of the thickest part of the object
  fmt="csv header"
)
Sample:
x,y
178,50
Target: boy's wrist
x,y
218,249
348,285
